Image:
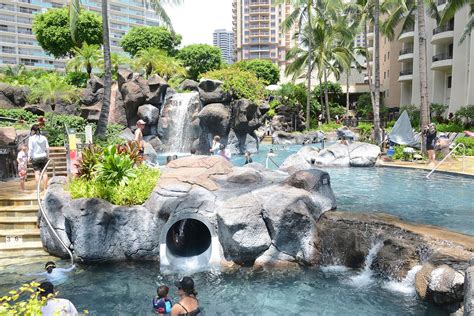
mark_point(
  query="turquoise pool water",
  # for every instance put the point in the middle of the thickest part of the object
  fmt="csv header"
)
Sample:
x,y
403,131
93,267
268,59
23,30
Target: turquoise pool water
x,y
443,200
128,288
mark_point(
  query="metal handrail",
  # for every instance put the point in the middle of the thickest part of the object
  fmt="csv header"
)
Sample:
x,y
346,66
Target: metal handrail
x,y
452,151
43,213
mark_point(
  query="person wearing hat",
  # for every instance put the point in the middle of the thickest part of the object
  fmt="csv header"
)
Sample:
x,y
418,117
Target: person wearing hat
x,y
139,136
53,274
54,305
188,303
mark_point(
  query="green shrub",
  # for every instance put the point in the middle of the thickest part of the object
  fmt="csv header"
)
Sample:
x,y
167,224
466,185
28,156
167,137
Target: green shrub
x,y
265,70
111,135
87,165
200,58
329,127
365,131
55,127
51,88
23,301
450,127
20,115
466,114
468,142
77,79
398,152
242,84
437,110
144,37
20,76
136,192
115,168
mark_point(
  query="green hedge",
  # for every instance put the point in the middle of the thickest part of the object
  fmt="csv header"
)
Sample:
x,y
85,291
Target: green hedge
x,y
468,142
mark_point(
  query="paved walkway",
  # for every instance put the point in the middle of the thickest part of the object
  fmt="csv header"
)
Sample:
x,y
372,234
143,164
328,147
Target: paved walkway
x,y
453,165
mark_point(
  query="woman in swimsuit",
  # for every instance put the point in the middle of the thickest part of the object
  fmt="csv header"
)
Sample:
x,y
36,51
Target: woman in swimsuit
x,y
188,303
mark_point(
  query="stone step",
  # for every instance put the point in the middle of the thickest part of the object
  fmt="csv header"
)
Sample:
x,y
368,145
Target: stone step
x,y
19,248
15,211
29,199
57,149
18,232
34,257
24,222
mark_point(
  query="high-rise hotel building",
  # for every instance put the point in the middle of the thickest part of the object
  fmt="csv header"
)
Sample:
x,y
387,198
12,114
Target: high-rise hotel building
x,y
18,45
450,64
257,31
224,40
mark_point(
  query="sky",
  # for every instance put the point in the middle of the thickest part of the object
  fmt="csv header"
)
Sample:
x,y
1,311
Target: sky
x,y
195,20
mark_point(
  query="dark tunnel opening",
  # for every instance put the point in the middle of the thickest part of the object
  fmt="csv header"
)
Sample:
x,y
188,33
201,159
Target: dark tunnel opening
x,y
188,237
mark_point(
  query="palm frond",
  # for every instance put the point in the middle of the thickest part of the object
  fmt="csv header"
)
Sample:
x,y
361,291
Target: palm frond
x,y
74,11
467,29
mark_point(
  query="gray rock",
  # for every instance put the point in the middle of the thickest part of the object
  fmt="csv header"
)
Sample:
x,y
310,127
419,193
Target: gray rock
x,y
239,144
7,136
345,133
150,115
469,291
215,120
284,138
295,163
95,83
13,96
446,285
123,76
211,91
242,175
242,230
363,154
157,90
133,96
5,102
90,97
188,85
38,109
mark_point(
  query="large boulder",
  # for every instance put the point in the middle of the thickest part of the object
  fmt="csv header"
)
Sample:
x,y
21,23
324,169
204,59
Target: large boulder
x,y
240,143
13,96
363,154
38,109
133,96
188,85
211,91
245,121
284,138
7,136
150,114
117,113
157,89
242,230
215,120
294,163
441,285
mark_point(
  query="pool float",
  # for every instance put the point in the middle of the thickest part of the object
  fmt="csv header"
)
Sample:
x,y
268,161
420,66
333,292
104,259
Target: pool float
x,y
469,133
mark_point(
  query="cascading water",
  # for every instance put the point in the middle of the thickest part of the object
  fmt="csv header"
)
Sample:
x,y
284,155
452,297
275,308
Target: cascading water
x,y
405,286
364,278
180,130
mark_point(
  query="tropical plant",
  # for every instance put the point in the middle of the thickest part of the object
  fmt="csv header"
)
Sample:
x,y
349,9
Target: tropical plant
x,y
144,37
55,127
161,12
265,70
85,57
154,60
291,94
451,127
23,301
468,142
438,109
303,12
115,168
88,163
77,79
50,89
131,149
200,58
52,30
242,84
466,115
118,60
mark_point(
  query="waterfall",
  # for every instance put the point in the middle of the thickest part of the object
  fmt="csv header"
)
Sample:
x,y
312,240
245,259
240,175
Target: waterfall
x,y
364,278
180,129
405,286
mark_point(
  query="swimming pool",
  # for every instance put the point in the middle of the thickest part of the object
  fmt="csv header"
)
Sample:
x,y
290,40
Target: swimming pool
x,y
128,289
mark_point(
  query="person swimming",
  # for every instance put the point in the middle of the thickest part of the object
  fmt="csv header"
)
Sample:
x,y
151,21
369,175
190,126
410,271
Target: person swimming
x,y
53,274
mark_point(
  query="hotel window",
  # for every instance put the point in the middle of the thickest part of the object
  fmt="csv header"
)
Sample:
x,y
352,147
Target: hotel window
x,y
449,81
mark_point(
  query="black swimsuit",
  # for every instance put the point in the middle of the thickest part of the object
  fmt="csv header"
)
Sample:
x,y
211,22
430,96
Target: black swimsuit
x,y
191,313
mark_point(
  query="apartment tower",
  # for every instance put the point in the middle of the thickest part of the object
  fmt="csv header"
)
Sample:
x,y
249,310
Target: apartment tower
x,y
224,40
18,45
450,64
257,31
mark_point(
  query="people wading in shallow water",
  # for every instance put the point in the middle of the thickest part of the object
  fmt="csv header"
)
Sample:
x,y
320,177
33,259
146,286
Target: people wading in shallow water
x,y
53,274
216,144
188,303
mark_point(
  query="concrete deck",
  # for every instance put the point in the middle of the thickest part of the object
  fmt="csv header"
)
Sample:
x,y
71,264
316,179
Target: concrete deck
x,y
453,166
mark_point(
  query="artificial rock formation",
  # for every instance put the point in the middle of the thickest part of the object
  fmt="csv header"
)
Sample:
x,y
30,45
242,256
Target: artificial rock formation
x,y
237,201
354,154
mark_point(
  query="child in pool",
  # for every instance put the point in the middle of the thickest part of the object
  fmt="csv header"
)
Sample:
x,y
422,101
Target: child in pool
x,y
162,303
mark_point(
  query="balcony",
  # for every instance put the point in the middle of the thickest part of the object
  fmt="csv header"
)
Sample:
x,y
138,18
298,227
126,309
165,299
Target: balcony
x,y
442,62
406,75
441,4
405,54
443,34
408,35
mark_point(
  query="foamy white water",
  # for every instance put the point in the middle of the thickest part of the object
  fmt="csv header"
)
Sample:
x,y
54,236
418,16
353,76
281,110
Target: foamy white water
x,y
180,133
407,285
364,278
335,269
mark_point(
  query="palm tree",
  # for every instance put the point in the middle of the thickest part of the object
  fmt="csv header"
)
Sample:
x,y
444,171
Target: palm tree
x,y
116,60
154,60
405,12
101,130
50,89
302,14
157,5
87,56
450,10
376,105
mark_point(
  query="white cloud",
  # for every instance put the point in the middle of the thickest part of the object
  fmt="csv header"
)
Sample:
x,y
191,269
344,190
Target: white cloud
x,y
195,20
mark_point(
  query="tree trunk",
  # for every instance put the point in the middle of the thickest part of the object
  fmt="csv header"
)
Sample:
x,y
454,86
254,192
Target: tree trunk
x,y
424,107
376,107
326,97
310,61
89,69
104,113
369,75
348,73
